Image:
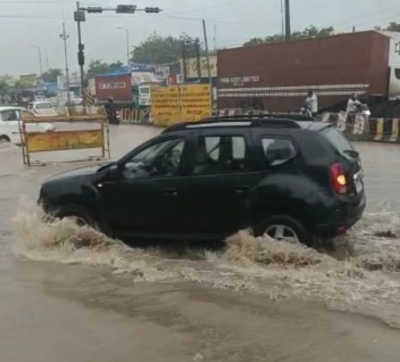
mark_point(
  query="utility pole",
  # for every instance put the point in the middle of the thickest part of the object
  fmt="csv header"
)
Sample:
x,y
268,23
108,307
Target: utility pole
x,y
287,20
64,36
40,60
128,46
80,17
208,62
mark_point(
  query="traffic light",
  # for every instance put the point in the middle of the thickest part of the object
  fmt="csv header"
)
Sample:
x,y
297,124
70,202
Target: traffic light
x,y
81,58
94,10
152,10
126,9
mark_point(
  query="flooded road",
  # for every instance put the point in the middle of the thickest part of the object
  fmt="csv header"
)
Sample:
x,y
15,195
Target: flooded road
x,y
71,294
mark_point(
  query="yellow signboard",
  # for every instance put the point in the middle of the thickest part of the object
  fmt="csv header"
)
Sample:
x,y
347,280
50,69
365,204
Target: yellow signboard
x,y
181,103
192,67
65,140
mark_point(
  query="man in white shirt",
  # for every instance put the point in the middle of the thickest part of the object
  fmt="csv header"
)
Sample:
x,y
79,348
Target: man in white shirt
x,y
312,102
353,104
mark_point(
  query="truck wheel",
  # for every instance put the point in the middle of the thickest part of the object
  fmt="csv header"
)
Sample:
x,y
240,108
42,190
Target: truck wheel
x,y
283,228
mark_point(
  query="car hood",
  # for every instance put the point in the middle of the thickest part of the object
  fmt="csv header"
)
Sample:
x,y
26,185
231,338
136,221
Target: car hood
x,y
82,172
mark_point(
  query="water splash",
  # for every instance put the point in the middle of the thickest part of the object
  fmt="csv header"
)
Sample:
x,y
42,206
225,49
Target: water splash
x,y
367,283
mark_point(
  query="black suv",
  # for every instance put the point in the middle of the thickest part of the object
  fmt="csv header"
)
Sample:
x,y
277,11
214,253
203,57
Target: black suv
x,y
282,175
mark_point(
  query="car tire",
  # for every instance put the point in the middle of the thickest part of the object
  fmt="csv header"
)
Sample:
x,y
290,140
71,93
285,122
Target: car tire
x,y
4,138
79,214
274,224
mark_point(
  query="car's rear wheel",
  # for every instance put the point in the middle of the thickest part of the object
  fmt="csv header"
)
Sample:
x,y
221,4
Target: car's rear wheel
x,y
284,228
4,139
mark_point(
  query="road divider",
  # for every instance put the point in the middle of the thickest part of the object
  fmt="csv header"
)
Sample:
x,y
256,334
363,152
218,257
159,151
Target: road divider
x,y
134,115
84,128
356,127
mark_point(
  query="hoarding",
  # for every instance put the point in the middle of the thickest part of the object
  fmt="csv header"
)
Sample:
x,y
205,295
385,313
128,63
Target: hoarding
x,y
192,66
180,103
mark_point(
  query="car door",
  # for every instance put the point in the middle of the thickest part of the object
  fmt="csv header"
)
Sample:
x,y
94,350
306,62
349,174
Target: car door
x,y
148,197
223,176
10,125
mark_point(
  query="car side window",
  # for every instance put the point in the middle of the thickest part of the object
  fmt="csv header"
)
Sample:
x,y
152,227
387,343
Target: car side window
x,y
160,159
278,151
219,154
9,115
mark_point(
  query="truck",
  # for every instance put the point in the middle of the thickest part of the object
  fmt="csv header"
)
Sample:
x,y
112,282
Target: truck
x,y
276,77
128,90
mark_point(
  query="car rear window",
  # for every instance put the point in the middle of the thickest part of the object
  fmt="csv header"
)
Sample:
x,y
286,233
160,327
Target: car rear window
x,y
43,106
337,140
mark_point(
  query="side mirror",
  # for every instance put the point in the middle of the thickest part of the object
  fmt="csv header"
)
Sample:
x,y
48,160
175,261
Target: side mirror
x,y
113,171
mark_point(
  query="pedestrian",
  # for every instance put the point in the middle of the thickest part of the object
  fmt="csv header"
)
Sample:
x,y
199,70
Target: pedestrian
x,y
312,102
353,104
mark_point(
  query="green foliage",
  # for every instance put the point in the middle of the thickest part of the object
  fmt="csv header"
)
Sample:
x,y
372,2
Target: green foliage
x,y
50,76
307,33
98,66
160,50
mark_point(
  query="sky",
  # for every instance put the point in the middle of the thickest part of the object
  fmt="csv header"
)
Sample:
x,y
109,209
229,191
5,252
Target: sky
x,y
29,24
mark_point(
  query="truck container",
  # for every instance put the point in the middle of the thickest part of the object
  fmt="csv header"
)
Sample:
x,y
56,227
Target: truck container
x,y
114,85
276,77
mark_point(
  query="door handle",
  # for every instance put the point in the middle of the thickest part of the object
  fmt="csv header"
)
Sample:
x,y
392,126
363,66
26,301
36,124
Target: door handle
x,y
242,189
170,192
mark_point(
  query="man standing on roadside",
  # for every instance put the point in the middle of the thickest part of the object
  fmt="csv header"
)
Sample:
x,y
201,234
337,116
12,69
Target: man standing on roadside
x,y
310,105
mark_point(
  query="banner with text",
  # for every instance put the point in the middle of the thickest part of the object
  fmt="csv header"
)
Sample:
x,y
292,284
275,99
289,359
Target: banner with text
x,y
181,103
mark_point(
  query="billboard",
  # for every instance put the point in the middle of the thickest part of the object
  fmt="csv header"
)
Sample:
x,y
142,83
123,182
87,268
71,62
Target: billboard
x,y
180,103
192,66
29,80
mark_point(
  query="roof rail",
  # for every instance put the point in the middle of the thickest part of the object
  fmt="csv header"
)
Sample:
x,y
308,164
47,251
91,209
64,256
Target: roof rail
x,y
273,122
293,116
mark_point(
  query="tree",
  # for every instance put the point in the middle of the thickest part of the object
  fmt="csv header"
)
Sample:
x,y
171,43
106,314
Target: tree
x,y
393,27
98,66
307,33
160,50
50,76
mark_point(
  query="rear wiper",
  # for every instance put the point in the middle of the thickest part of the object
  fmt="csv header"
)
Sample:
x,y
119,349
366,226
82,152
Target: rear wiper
x,y
352,153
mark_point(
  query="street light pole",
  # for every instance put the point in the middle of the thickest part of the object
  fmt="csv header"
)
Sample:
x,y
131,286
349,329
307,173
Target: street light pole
x,y
40,60
64,36
287,20
127,44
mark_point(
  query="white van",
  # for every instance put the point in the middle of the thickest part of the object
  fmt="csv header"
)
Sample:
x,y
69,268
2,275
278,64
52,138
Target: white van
x,y
9,127
42,108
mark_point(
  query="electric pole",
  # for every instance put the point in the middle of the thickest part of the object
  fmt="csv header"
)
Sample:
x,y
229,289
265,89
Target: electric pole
x,y
208,62
64,36
287,20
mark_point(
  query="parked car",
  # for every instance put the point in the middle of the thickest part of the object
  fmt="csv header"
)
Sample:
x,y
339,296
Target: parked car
x,y
10,129
42,108
285,176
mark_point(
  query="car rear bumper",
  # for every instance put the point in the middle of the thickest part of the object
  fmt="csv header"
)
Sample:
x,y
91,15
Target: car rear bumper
x,y
348,217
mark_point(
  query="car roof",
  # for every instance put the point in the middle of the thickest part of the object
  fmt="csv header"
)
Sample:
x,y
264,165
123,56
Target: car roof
x,y
274,121
9,108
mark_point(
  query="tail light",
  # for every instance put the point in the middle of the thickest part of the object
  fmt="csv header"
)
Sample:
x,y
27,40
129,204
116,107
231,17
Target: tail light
x,y
338,179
